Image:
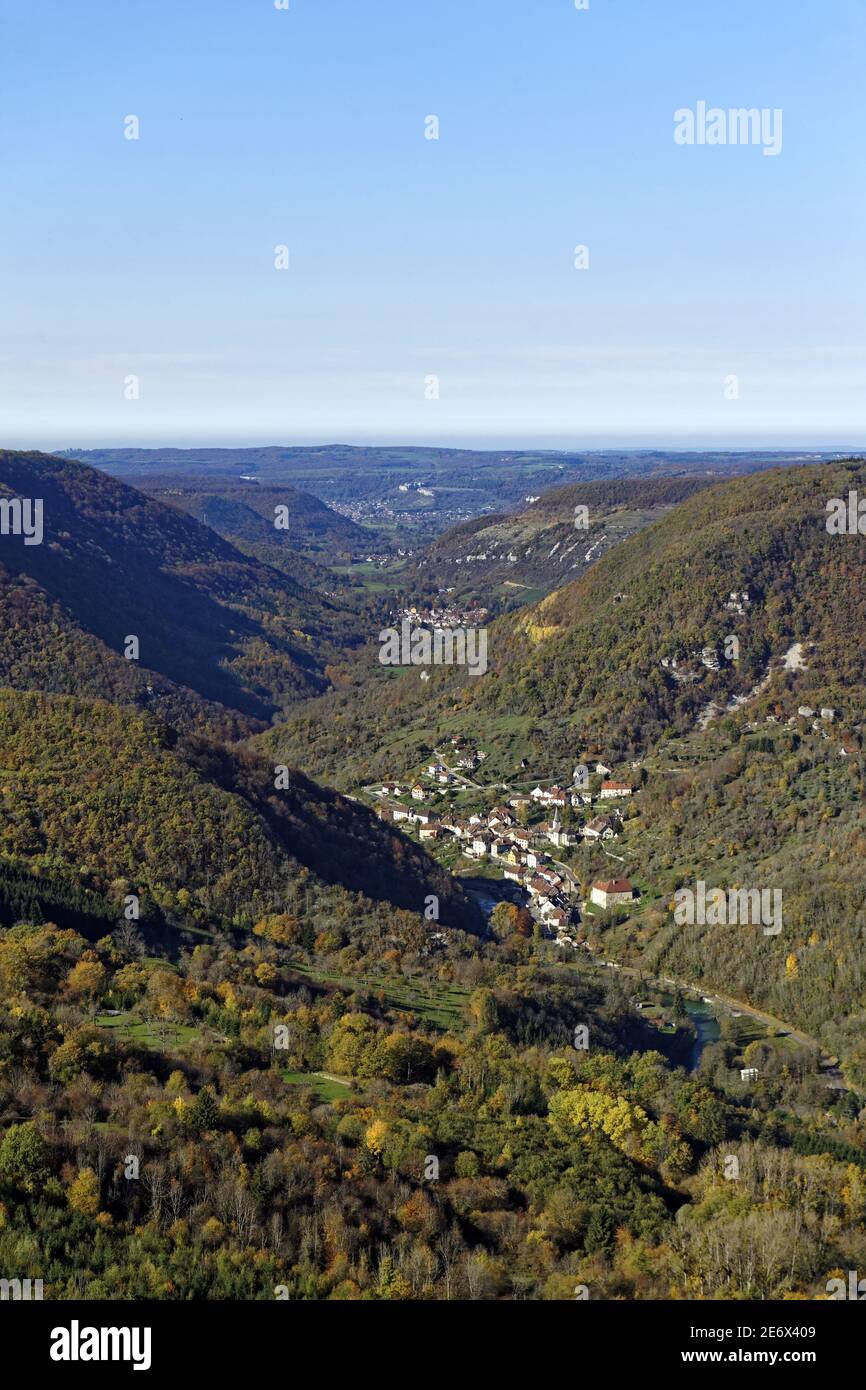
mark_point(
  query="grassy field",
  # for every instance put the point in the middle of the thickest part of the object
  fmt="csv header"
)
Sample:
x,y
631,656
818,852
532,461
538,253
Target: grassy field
x,y
374,578
441,1005
326,1087
159,1037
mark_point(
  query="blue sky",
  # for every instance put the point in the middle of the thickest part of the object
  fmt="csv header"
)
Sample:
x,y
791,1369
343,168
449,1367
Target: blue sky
x,y
413,258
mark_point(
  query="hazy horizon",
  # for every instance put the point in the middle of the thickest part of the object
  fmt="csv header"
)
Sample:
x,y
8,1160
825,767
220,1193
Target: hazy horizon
x,y
824,444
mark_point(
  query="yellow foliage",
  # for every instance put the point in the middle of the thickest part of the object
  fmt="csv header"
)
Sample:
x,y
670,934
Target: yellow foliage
x,y
84,1193
376,1135
86,977
586,1110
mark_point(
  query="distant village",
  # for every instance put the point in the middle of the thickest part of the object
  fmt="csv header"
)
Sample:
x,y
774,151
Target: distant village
x,y
448,616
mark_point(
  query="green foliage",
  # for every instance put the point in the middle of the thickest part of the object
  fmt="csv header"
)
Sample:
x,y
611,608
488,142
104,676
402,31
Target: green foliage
x,y
24,1157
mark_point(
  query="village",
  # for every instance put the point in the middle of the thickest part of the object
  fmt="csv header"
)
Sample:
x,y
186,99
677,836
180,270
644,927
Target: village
x,y
448,616
509,839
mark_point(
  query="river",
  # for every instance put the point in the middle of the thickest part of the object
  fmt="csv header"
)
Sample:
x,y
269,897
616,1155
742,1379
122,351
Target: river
x,y
707,1025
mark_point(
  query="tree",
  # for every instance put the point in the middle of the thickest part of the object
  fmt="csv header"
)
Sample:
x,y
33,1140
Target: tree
x,y
84,1193
482,1006
403,1057
393,1285
599,1230
503,918
167,994
583,1109
24,1157
524,923
87,978
280,927
203,1114
375,1137
466,1164
86,1049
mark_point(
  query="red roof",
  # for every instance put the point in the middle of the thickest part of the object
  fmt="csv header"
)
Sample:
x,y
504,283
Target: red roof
x,y
614,885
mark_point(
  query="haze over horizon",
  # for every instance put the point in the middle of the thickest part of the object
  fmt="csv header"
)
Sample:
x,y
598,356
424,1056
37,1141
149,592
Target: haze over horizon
x,y
824,444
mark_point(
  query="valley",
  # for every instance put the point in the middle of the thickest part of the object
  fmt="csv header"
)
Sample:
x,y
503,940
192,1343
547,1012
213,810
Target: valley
x,y
377,970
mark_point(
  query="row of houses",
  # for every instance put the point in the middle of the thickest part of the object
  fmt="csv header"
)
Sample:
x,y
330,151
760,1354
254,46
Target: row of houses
x,y
558,796
549,892
819,719
447,616
496,832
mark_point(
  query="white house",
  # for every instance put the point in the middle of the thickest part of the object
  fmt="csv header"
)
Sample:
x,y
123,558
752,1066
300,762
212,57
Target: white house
x,y
554,797
610,790
611,892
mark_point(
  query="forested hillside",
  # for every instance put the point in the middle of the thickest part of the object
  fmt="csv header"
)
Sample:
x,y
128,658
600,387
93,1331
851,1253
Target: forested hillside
x,y
214,627
243,1123
514,557
717,658
584,666
244,514
201,835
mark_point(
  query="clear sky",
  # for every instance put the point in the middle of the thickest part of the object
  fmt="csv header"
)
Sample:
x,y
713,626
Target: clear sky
x,y
413,258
